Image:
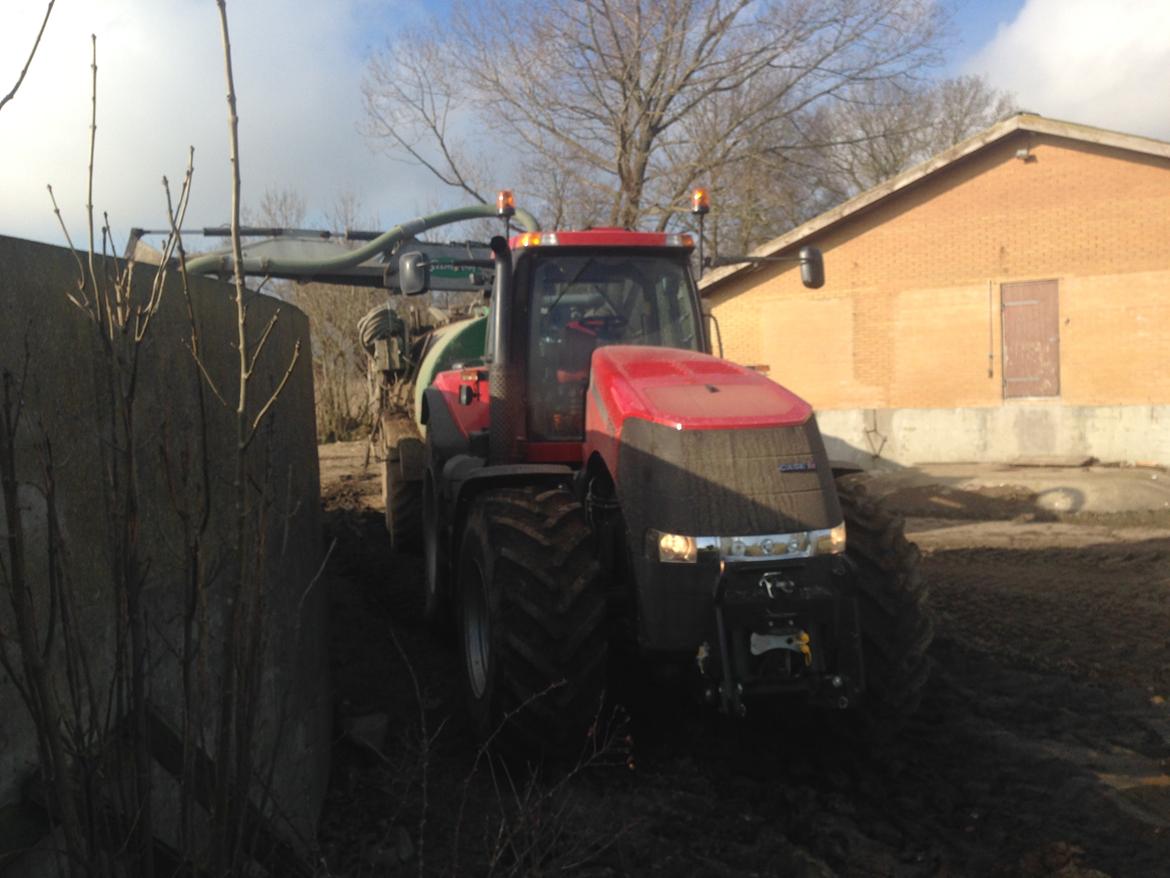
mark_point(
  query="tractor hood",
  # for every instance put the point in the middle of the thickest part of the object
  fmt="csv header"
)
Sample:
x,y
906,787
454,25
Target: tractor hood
x,y
687,390
699,446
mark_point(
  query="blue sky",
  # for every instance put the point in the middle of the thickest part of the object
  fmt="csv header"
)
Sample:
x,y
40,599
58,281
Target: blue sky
x,y
975,23
299,69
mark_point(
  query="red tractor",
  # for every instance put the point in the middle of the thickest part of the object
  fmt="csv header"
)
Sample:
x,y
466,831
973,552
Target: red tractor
x,y
600,479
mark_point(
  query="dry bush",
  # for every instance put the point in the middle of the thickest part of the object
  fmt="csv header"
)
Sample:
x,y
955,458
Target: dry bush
x,y
102,737
339,363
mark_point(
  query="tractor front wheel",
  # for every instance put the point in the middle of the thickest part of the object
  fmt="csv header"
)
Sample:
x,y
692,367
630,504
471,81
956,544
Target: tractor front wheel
x,y
896,628
531,621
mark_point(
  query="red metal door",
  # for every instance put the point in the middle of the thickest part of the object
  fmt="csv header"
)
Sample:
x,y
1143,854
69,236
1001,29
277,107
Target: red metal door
x,y
1031,339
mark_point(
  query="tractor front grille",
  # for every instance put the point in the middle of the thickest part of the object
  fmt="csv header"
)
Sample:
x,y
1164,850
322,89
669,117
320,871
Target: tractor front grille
x,y
726,482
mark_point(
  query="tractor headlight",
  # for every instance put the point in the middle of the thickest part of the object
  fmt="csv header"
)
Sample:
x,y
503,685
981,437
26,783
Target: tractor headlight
x,y
831,542
671,548
680,549
777,547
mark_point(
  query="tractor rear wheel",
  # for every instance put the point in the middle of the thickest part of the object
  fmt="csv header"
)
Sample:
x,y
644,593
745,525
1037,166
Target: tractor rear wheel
x,y
896,628
402,496
531,621
437,600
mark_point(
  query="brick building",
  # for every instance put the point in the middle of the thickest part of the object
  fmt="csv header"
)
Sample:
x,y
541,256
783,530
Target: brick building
x,y
1008,298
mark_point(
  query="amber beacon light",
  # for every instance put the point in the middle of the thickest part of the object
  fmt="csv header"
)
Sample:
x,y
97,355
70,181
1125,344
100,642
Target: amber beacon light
x,y
700,201
505,203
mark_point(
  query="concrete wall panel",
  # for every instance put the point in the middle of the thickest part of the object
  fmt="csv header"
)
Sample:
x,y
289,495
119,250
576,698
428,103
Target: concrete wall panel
x,y
53,350
1112,434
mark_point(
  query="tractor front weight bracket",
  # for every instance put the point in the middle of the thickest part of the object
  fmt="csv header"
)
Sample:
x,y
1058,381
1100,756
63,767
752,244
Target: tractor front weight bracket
x,y
788,631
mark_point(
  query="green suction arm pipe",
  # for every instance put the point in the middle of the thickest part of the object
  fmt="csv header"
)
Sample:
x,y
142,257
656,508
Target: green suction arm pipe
x,y
221,263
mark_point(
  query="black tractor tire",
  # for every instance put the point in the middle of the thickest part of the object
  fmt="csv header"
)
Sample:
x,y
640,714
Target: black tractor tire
x,y
896,626
403,499
437,609
532,615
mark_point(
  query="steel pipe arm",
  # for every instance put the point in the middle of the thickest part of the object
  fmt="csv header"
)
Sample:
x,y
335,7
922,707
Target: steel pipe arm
x,y
221,263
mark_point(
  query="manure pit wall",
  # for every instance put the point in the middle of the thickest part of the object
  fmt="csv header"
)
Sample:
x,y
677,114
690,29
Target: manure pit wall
x,y
53,358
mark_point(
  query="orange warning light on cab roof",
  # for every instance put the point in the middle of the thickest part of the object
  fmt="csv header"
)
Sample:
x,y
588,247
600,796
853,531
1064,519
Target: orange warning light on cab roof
x,y
700,200
505,203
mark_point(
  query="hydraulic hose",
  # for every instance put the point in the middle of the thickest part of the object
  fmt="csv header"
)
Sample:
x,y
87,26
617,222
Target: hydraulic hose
x,y
221,263
377,323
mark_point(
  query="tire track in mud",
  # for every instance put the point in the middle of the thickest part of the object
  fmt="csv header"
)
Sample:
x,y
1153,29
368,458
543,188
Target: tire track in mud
x,y
1099,612
991,777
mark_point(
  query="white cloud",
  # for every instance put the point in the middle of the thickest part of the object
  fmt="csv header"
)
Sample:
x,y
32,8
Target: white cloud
x,y
298,70
1097,62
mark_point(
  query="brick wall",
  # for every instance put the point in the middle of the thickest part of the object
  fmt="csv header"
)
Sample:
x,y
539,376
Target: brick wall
x,y
910,309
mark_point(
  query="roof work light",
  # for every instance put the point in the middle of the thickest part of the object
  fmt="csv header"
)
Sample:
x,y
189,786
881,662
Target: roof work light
x,y
536,239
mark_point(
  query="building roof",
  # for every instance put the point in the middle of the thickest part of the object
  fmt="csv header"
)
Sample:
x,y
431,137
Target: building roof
x,y
887,188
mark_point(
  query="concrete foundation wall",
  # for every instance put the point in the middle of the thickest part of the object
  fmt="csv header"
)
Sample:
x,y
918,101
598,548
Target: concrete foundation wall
x,y
1112,434
53,358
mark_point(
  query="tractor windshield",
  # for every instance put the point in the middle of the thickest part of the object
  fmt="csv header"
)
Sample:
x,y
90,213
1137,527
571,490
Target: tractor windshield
x,y
581,301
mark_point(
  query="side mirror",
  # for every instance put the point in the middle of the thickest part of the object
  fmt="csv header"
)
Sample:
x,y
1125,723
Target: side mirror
x,y
713,323
812,268
414,273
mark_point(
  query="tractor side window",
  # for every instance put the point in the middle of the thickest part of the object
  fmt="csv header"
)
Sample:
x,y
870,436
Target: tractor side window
x,y
582,301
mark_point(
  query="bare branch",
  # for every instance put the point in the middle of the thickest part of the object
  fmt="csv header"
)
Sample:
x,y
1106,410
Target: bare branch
x,y
316,577
32,54
275,394
83,302
206,375
256,351
408,100
175,218
233,721
89,177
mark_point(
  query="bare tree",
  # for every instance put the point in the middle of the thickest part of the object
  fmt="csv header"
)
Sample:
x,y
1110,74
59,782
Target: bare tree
x,y
597,100
283,208
964,105
809,162
886,127
32,54
415,103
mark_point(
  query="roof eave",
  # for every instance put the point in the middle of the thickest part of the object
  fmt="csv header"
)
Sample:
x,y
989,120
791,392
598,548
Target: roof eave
x,y
887,188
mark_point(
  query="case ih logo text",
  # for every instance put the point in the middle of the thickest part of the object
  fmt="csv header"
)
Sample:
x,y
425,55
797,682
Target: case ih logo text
x,y
798,467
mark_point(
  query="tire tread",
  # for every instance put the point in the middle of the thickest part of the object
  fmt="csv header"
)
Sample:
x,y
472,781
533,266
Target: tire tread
x,y
896,625
553,610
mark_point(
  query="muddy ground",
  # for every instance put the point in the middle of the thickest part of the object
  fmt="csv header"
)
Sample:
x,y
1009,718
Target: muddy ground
x,y
1042,747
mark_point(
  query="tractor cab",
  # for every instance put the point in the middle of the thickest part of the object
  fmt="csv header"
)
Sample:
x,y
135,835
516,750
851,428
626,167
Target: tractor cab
x,y
587,290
